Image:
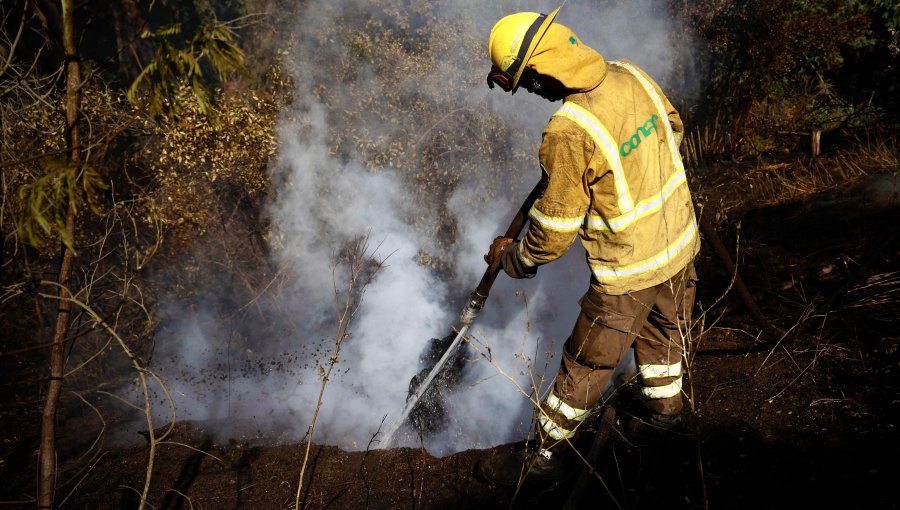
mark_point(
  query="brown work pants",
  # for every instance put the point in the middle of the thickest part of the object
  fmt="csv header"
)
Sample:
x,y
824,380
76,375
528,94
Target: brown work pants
x,y
654,320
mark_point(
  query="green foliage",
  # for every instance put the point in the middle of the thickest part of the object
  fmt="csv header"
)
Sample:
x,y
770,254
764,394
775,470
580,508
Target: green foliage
x,y
796,65
888,11
46,200
769,48
173,66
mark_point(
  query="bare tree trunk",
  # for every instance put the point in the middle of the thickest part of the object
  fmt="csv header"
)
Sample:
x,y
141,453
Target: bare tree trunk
x,y
47,460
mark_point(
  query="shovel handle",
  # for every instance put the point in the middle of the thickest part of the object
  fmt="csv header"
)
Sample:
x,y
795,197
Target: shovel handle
x,y
480,294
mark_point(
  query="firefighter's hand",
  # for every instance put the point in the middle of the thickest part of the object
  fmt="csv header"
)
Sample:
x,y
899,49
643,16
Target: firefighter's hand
x,y
512,264
495,253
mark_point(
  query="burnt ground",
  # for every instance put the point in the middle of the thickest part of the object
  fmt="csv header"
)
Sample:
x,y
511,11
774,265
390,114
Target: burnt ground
x,y
804,421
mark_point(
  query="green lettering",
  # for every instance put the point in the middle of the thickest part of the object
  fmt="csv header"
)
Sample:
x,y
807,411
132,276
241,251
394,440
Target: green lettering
x,y
646,129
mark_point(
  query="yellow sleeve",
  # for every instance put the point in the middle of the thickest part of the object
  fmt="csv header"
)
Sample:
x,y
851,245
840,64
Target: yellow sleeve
x,y
558,215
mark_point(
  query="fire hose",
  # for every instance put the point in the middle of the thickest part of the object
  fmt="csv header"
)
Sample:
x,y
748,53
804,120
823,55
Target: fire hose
x,y
469,313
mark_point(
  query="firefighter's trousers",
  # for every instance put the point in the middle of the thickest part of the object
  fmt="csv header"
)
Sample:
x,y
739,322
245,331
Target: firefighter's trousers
x,y
654,320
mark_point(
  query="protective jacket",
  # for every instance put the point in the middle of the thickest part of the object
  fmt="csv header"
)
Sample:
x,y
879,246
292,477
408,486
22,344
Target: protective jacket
x,y
615,174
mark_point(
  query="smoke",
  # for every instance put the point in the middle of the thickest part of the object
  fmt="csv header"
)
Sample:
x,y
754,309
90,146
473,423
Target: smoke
x,y
344,175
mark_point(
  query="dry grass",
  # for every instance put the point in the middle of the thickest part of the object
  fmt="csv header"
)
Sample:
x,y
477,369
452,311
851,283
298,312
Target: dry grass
x,y
786,182
784,178
707,141
876,298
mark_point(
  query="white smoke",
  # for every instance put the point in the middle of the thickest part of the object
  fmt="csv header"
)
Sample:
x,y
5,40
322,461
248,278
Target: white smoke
x,y
325,201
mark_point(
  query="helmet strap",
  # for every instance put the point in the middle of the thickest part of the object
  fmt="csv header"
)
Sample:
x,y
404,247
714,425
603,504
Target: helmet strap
x,y
523,48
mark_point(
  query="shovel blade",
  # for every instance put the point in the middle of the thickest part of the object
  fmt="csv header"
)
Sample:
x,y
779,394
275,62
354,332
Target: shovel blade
x,y
429,414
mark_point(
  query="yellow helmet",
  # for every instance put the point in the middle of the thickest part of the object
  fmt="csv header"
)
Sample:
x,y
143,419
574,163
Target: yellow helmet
x,y
511,44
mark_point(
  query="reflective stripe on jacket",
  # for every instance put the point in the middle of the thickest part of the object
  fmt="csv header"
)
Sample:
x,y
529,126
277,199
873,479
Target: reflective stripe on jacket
x,y
617,180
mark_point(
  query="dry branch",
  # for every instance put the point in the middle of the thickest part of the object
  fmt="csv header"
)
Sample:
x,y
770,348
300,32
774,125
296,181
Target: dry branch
x,y
143,374
728,264
361,274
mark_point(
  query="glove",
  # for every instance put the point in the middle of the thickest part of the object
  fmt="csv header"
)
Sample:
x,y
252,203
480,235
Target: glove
x,y
503,254
494,255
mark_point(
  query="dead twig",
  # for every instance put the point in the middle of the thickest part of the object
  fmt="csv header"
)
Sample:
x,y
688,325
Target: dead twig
x,y
728,264
144,376
533,396
600,443
361,274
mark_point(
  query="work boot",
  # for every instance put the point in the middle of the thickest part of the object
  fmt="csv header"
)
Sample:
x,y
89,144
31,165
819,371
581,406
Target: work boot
x,y
654,427
526,465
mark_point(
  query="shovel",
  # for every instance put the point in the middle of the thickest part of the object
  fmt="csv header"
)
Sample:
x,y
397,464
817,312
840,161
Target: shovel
x,y
473,306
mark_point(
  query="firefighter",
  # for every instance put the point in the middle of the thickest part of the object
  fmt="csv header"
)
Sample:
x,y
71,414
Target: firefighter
x,y
616,180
